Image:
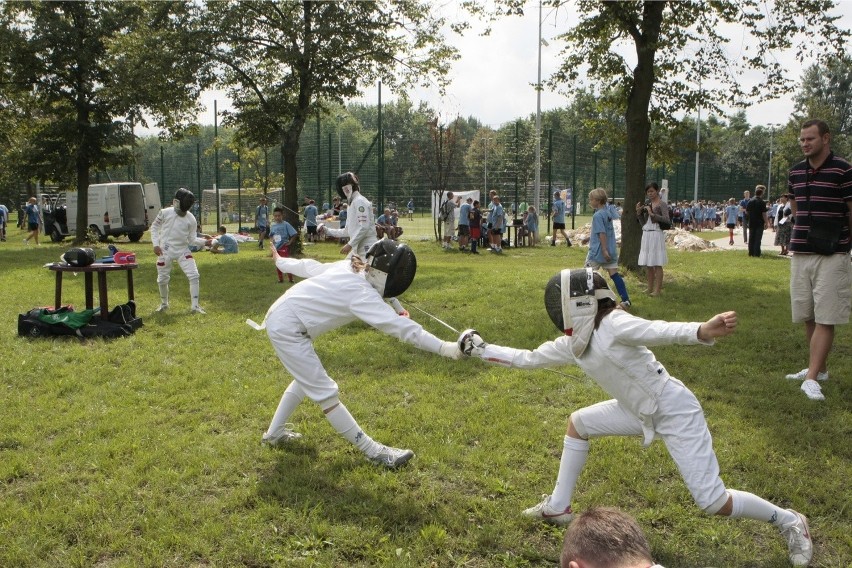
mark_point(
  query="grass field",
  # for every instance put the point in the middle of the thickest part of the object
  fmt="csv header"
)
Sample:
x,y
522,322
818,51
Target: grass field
x,y
145,451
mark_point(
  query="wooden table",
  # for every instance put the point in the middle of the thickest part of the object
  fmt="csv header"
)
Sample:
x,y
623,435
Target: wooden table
x,y
99,269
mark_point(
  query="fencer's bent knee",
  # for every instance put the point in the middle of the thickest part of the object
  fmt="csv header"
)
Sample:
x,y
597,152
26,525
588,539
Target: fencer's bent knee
x,y
714,508
578,427
329,403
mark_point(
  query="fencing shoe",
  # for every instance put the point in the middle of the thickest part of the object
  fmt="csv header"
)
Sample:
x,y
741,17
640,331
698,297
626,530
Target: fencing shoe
x,y
391,457
813,390
284,435
197,310
162,308
799,543
548,514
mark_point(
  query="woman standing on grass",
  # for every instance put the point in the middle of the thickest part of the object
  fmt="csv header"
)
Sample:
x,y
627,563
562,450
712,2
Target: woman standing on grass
x,y
652,251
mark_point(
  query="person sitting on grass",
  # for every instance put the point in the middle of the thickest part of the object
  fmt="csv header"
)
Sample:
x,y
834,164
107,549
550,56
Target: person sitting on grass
x,y
224,243
609,345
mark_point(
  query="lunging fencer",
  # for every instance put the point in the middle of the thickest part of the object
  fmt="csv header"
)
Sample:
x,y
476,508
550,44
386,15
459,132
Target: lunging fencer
x,y
360,223
334,294
610,345
171,234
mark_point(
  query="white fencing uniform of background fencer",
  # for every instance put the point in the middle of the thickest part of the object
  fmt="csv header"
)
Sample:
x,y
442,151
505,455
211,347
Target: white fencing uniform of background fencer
x,y
317,305
360,226
648,401
174,233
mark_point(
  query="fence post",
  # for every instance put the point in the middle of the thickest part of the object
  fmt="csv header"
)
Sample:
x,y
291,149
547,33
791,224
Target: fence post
x,y
162,175
574,184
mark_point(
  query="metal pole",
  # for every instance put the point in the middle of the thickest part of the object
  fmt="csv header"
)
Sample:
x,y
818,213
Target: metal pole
x,y
216,161
697,147
537,185
769,182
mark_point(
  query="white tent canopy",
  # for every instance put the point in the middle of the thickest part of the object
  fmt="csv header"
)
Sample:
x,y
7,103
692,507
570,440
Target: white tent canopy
x,y
436,200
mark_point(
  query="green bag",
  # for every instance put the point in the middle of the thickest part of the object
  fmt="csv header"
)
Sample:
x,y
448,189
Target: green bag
x,y
74,320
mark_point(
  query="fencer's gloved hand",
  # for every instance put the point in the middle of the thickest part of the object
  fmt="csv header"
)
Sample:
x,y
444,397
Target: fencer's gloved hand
x,y
471,344
450,349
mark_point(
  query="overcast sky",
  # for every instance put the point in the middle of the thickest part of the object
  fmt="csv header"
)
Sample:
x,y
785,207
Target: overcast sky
x,y
495,77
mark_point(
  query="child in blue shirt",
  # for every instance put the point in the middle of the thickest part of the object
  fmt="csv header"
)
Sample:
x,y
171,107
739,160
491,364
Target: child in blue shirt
x,y
283,236
224,243
531,224
603,252
731,213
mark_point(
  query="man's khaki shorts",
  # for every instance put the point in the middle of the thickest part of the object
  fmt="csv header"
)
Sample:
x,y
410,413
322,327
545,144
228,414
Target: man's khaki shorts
x,y
821,288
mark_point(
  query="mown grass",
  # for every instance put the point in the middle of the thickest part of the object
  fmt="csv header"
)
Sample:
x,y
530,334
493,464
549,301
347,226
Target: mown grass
x,y
145,451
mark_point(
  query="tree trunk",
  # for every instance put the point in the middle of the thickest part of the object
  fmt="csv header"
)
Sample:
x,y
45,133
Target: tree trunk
x,y
82,164
639,130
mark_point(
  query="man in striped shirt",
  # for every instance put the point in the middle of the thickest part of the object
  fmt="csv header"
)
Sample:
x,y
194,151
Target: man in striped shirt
x,y
820,284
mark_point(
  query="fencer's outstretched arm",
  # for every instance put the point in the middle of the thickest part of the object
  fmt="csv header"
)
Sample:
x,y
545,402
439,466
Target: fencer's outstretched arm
x,y
550,354
301,267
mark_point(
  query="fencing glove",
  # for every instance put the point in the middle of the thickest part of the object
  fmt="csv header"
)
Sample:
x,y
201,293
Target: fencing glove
x,y
450,349
471,344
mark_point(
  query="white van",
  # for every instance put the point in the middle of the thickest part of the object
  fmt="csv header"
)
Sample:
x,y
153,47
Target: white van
x,y
114,209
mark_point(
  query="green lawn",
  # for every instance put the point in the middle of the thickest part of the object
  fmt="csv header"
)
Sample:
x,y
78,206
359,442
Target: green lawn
x,y
145,451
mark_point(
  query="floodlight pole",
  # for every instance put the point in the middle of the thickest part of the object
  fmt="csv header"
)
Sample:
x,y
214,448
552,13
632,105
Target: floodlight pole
x,y
537,185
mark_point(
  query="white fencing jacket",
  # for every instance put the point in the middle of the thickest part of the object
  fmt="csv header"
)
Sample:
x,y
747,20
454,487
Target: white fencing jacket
x,y
360,226
333,295
173,233
617,358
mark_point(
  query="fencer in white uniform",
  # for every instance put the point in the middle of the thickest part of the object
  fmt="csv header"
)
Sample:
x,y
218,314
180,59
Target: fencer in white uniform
x,y
333,295
360,223
172,232
611,346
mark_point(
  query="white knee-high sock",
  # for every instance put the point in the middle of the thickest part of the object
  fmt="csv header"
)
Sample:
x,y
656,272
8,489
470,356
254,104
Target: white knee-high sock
x,y
194,287
750,506
345,424
164,293
289,401
574,454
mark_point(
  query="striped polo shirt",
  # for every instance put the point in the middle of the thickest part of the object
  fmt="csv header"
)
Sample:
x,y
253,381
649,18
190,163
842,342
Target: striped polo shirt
x,y
831,189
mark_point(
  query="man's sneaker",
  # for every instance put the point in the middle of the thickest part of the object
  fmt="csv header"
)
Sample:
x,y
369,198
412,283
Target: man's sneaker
x,y
802,375
548,514
286,434
391,457
625,305
197,310
813,390
162,308
799,543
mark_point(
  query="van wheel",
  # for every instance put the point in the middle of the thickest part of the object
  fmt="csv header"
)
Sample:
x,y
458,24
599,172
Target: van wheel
x,y
56,236
134,237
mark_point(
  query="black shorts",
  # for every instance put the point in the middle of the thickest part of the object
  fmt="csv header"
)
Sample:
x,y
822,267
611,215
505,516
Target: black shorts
x,y
557,226
32,226
496,231
464,230
312,229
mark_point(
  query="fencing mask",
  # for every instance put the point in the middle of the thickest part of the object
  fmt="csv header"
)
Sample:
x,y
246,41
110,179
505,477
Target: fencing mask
x,y
391,267
79,256
347,184
183,201
571,300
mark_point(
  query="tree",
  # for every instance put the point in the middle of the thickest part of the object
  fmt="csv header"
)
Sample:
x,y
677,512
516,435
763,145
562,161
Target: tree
x,y
825,92
91,70
285,62
679,63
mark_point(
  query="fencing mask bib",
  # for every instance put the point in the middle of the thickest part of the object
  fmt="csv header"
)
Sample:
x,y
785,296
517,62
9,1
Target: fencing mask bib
x,y
391,267
571,301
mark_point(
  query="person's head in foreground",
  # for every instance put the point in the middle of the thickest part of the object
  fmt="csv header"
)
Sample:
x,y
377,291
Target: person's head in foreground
x,y
603,537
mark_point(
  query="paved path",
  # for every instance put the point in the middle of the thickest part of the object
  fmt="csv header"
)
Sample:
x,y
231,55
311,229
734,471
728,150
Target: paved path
x,y
767,244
